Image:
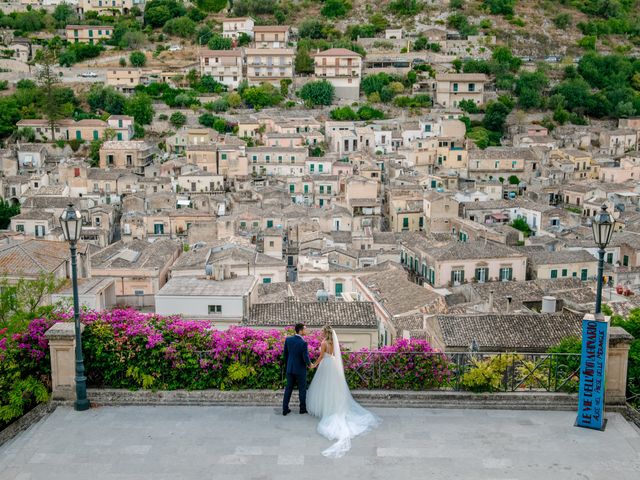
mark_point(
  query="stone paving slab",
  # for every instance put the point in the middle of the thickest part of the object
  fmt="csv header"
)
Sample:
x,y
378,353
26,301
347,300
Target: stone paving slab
x,y
255,443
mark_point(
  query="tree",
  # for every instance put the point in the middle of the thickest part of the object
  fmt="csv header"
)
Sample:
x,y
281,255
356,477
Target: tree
x,y
529,87
140,107
500,7
9,116
138,59
522,225
178,119
64,14
343,114
303,62
562,21
218,42
495,116
7,210
335,8
318,93
211,5
159,12
514,180
264,95
181,27
48,81
107,99
405,7
312,28
468,106
243,39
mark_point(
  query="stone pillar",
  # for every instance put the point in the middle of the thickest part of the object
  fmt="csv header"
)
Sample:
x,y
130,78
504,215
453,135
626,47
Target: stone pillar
x,y
617,361
62,344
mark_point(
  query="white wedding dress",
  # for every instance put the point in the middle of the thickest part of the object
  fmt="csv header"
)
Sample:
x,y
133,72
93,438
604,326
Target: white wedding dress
x,y
329,398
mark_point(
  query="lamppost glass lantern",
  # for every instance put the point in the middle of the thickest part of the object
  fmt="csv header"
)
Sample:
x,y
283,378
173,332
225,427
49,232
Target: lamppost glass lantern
x,y
603,225
71,223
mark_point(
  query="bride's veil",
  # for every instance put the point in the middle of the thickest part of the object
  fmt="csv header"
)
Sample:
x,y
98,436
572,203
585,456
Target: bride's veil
x,y
337,353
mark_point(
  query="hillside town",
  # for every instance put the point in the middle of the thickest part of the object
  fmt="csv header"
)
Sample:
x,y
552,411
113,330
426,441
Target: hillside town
x,y
248,173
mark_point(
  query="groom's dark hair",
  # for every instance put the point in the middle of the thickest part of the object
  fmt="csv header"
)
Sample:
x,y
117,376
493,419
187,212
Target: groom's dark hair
x,y
299,327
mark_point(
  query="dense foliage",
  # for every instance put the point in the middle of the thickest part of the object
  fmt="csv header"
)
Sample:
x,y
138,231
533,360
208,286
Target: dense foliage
x,y
318,93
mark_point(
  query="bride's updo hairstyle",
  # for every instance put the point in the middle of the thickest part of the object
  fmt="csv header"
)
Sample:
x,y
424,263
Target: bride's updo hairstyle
x,y
328,333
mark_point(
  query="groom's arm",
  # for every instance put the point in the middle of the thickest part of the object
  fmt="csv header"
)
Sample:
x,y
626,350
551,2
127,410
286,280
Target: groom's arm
x,y
285,353
305,354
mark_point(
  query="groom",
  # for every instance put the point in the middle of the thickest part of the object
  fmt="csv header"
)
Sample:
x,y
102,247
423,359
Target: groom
x,y
296,360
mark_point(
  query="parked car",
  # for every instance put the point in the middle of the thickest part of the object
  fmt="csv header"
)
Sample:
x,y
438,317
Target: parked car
x,y
89,74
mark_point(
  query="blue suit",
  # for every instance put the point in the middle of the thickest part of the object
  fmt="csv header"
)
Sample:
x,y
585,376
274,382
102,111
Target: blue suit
x,y
296,361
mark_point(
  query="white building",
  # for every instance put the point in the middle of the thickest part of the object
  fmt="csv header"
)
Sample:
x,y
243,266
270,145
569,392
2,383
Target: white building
x,y
225,66
233,27
203,298
342,68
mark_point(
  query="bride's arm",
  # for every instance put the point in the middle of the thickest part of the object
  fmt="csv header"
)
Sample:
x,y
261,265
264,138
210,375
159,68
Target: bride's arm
x,y
323,348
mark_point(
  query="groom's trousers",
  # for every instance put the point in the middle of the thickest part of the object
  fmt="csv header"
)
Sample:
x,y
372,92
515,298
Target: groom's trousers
x,y
301,381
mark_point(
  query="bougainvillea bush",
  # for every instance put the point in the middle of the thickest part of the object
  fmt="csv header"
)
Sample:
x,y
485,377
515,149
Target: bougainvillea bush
x,y
25,370
128,349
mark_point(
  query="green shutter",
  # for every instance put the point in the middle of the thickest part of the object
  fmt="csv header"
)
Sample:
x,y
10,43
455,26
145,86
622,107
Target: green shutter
x,y
554,273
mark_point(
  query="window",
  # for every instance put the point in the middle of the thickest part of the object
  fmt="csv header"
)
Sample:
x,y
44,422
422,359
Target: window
x,y
95,135
266,280
338,289
320,167
20,227
39,230
138,292
321,188
472,87
269,223
292,188
506,274
306,189
223,156
328,188
312,167
554,273
457,277
78,135
279,158
213,309
254,158
158,228
625,260
243,224
609,257
455,87
482,273
565,272
76,172
119,136
405,223
584,274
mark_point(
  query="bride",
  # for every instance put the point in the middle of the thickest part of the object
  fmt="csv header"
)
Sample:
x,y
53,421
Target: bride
x,y
329,398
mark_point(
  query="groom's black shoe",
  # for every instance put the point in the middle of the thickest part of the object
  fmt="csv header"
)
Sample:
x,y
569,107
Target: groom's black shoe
x,y
303,410
286,412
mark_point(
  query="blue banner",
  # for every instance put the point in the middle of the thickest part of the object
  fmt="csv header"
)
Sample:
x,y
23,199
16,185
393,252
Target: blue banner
x,y
592,369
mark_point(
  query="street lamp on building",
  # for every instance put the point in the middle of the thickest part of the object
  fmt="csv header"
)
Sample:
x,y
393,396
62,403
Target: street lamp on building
x,y
71,223
603,225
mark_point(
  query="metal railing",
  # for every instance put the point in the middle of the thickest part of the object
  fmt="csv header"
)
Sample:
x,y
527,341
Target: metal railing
x,y
498,372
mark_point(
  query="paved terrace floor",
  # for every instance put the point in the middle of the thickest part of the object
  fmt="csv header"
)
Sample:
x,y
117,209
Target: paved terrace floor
x,y
224,443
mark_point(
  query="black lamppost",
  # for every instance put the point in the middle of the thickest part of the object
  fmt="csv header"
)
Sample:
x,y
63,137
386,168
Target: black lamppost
x,y
603,225
71,223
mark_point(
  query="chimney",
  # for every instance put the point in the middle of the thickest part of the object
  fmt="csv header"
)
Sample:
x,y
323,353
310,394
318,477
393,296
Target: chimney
x,y
490,308
508,304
